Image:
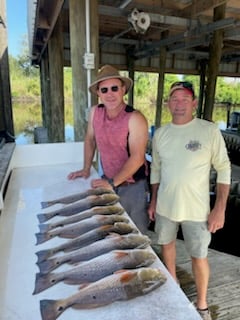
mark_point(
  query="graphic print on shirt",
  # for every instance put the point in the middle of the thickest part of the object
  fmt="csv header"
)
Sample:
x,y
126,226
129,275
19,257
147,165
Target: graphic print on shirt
x,y
193,145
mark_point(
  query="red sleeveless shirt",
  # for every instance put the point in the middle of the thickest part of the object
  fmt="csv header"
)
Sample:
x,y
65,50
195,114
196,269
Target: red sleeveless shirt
x,y
112,139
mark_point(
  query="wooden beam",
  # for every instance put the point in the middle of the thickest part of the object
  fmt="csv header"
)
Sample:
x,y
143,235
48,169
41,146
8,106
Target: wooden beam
x,y
56,127
77,22
213,65
198,7
6,117
161,75
94,31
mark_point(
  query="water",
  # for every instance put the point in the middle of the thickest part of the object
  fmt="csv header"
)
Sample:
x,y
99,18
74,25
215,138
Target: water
x,y
28,116
28,138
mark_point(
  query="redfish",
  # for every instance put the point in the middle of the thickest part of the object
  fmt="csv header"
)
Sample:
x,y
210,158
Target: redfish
x,y
122,285
76,197
87,238
85,204
97,268
103,210
74,230
111,242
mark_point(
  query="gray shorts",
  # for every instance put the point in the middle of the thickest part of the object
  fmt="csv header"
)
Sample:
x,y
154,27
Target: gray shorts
x,y
196,235
133,198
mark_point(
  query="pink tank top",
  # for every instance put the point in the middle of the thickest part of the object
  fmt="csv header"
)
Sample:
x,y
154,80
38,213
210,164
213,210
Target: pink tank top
x,y
112,139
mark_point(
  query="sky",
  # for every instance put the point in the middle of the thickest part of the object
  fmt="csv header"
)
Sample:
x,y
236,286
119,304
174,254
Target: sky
x,y
16,11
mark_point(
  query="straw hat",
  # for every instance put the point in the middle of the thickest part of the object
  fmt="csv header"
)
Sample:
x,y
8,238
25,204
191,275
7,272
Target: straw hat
x,y
109,72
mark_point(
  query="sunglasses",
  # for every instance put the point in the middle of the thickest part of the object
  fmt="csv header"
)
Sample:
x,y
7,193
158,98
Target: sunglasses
x,y
183,84
105,89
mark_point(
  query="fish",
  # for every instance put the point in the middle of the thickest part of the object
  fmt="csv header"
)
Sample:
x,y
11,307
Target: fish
x,y
111,242
74,230
75,197
103,210
120,286
87,238
97,268
85,204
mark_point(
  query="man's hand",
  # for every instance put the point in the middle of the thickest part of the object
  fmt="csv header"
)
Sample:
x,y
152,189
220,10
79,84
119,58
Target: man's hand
x,y
84,173
216,219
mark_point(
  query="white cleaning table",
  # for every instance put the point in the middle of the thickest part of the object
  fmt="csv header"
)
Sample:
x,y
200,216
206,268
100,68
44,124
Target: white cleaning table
x,y
28,186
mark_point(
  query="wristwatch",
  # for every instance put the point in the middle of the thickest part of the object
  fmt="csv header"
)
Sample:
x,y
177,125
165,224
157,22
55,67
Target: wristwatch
x,y
111,182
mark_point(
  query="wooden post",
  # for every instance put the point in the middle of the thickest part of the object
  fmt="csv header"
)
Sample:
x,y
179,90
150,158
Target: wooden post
x,y
161,74
6,117
77,21
214,60
131,75
203,64
45,89
94,30
56,130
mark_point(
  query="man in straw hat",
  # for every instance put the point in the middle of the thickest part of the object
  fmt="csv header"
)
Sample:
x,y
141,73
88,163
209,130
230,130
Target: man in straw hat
x,y
120,133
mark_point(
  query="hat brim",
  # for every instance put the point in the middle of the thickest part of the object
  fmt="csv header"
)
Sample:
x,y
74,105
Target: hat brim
x,y
181,88
127,82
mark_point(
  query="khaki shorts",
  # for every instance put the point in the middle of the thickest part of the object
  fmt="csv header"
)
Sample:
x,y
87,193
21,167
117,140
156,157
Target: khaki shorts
x,y
196,235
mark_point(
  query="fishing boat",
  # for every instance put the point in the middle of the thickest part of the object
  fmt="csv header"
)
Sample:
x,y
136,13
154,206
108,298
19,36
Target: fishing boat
x,y
232,137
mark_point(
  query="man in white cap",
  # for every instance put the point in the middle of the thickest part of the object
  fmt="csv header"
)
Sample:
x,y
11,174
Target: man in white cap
x,y
183,153
120,133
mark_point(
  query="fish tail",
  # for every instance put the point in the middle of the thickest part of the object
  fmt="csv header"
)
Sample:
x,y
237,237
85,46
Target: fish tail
x,y
46,204
44,281
51,309
42,237
43,255
44,227
47,265
42,217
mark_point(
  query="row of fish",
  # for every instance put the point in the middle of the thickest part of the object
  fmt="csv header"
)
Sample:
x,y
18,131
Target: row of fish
x,y
106,255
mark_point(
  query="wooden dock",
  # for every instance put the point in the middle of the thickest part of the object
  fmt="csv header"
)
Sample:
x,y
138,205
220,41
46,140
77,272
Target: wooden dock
x,y
224,284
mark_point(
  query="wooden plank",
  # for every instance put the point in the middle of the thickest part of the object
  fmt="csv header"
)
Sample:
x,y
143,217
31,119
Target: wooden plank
x,y
224,283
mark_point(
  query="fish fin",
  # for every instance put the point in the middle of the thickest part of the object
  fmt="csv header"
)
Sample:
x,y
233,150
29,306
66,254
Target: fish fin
x,y
72,262
44,281
44,227
43,255
87,306
46,204
105,227
51,309
120,254
67,235
75,264
47,266
70,281
42,217
127,276
135,230
42,237
83,285
142,245
113,235
151,285
119,271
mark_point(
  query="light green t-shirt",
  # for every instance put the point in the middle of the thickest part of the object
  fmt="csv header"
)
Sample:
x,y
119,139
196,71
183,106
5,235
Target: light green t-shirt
x,y
182,156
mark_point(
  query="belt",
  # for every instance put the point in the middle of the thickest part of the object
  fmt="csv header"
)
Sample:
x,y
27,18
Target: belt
x,y
126,183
